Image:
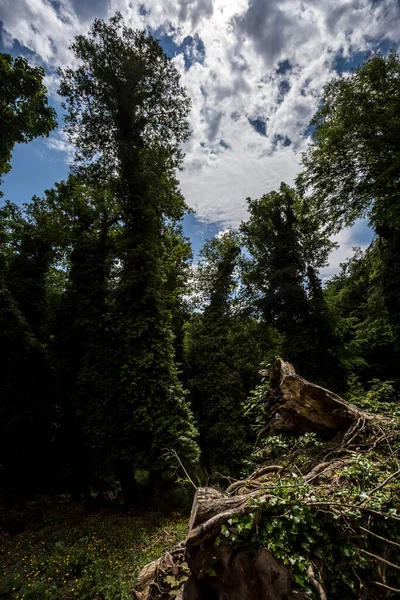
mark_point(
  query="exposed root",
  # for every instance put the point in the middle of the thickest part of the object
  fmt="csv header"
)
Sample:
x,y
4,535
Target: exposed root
x,y
316,584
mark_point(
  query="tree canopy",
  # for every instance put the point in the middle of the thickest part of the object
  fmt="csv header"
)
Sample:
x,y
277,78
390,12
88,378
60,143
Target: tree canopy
x,y
127,114
352,165
24,110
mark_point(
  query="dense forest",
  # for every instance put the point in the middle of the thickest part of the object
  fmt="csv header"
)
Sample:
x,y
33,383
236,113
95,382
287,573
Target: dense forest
x,y
116,349
125,364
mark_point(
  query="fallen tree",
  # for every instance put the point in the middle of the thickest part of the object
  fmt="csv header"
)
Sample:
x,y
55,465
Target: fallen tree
x,y
318,519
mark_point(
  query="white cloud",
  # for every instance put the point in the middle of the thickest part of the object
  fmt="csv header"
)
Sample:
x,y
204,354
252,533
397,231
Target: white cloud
x,y
357,236
41,28
58,141
245,41
222,232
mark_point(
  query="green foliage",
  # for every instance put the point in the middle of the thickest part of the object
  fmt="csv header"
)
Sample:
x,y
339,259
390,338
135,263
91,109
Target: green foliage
x,y
117,115
356,299
81,343
282,447
24,111
215,380
26,394
125,98
93,273
287,248
352,166
175,582
381,397
32,252
344,517
118,344
257,408
288,521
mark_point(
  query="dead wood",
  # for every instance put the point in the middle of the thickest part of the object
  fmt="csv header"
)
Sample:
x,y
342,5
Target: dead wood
x,y
305,407
219,571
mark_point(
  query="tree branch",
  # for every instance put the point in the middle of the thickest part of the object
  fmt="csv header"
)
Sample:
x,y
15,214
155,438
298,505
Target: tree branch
x,y
316,584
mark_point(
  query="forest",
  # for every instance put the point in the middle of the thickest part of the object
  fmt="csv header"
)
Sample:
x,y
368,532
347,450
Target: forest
x,y
131,371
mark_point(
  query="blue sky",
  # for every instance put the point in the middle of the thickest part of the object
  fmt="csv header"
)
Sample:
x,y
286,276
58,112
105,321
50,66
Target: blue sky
x,y
36,166
254,70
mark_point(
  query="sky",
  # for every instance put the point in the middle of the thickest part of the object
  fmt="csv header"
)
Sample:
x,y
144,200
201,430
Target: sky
x,y
254,70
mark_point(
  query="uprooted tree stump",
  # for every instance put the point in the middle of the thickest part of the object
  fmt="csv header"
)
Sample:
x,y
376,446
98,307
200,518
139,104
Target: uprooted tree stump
x,y
322,525
303,407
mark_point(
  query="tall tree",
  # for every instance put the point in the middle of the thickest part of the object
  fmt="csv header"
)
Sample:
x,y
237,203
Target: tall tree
x,y
26,396
177,268
35,251
127,114
24,111
352,166
286,250
86,215
356,299
215,382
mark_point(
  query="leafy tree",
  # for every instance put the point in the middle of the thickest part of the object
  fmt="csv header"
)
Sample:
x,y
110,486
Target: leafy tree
x,y
34,252
24,111
332,367
177,267
26,409
352,166
82,336
286,250
215,381
125,100
356,300
127,114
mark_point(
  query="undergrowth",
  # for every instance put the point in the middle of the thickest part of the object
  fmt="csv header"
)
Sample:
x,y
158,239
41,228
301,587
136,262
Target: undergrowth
x,y
339,527
73,554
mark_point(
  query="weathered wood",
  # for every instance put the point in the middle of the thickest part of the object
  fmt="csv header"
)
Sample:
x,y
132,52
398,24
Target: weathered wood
x,y
325,470
303,406
201,503
239,486
146,577
152,576
212,526
231,573
264,470
239,576
207,505
206,509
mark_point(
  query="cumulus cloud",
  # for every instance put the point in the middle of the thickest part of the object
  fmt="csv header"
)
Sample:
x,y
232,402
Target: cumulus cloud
x,y
58,141
243,62
194,11
43,27
347,239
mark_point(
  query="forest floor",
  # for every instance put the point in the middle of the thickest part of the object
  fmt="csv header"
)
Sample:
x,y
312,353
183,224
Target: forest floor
x,y
60,551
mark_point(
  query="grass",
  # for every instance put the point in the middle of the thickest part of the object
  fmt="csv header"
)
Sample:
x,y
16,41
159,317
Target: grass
x,y
73,554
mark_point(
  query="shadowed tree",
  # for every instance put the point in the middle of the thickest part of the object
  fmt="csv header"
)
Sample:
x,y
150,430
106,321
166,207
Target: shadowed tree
x,y
216,384
286,250
352,166
26,383
127,114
